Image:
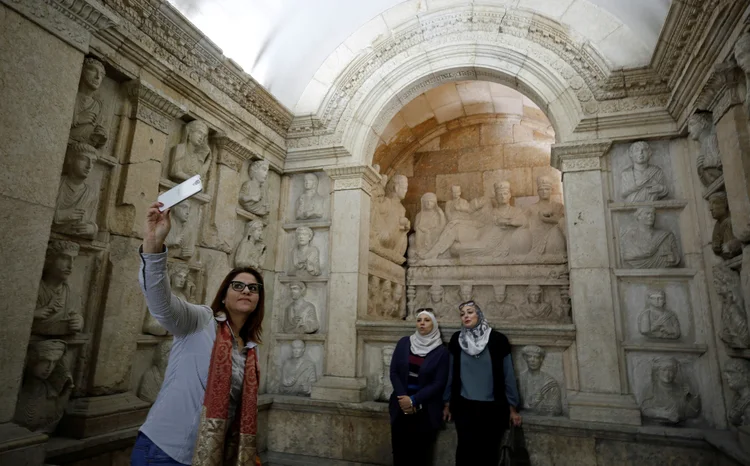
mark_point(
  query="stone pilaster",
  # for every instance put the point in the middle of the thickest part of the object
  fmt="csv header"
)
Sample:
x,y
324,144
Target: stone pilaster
x,y
599,397
41,51
350,226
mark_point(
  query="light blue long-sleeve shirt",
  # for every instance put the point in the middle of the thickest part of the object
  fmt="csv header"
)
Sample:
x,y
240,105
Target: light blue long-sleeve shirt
x,y
476,378
172,422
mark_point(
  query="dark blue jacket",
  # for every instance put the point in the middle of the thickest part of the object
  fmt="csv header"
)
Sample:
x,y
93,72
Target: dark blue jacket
x,y
433,376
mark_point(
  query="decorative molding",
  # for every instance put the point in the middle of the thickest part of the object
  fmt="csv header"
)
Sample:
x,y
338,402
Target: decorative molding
x,y
73,21
152,107
722,90
579,156
231,153
353,177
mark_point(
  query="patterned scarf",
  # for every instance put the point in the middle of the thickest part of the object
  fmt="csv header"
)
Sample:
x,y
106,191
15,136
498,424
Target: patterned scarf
x,y
213,446
473,340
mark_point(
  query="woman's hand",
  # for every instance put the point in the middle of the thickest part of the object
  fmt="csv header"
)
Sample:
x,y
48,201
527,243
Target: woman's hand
x,y
447,412
515,418
156,230
404,402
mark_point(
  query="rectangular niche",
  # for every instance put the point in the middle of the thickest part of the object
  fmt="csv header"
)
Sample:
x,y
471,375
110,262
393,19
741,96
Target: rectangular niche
x,y
373,367
307,269
650,249
304,207
671,324
293,383
542,394
314,293
621,163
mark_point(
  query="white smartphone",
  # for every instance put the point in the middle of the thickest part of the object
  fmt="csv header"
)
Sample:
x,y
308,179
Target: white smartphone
x,y
179,193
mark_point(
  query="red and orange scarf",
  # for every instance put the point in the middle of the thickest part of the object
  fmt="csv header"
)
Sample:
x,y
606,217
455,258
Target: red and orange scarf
x,y
216,445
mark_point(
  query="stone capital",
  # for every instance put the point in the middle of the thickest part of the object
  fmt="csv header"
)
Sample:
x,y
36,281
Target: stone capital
x,y
722,90
353,177
231,153
579,156
73,21
153,107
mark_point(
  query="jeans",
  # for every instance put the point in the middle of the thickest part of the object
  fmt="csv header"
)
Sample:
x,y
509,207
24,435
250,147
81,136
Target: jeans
x,y
145,452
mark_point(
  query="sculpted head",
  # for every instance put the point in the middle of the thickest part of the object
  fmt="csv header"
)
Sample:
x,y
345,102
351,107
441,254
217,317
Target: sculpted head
x,y
544,187
92,74
726,282
534,294
297,289
436,293
640,152
698,123
258,170
254,230
397,185
534,357
456,192
196,133
311,182
43,356
656,298
388,354
718,204
298,349
181,211
665,370
79,160
499,293
58,264
304,235
429,201
645,216
737,373
465,292
742,52
180,272
502,192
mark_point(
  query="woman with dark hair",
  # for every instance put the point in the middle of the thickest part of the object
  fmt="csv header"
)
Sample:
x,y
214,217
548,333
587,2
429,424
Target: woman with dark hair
x,y
419,372
481,395
206,412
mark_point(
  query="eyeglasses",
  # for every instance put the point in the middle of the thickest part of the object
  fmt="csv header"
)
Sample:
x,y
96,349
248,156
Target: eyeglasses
x,y
467,303
239,287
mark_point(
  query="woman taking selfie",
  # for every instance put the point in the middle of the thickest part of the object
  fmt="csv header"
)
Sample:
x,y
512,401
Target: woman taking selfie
x,y
206,412
481,396
419,372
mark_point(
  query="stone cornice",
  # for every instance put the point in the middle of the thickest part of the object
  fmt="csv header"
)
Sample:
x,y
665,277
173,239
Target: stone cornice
x,y
722,90
579,156
353,177
152,107
232,153
73,21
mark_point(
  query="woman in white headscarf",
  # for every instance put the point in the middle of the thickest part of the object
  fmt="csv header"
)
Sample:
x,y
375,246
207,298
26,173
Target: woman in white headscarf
x,y
419,372
481,395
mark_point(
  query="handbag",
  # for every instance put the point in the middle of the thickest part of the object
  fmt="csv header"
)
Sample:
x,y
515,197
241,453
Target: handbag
x,y
507,446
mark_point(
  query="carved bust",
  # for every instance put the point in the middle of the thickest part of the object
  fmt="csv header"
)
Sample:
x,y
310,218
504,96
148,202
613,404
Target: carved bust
x,y
47,385
181,235
87,118
390,225
540,392
735,331
429,223
499,308
305,256
669,400
384,388
645,247
192,156
535,307
57,311
254,192
297,373
153,378
181,286
656,321
301,315
737,374
437,302
458,208
723,242
701,129
642,181
251,249
545,221
75,209
465,293
309,204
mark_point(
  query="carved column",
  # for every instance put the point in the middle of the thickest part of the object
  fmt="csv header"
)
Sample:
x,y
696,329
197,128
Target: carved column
x,y
599,397
350,226
41,52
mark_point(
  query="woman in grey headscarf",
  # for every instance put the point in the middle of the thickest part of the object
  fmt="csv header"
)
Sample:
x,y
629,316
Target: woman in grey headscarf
x,y
481,395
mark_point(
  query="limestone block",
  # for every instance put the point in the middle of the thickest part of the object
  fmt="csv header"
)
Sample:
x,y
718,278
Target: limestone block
x,y
509,105
586,224
734,140
140,189
642,171
471,185
648,240
442,95
481,158
436,163
460,138
416,111
539,376
500,132
657,311
304,308
343,309
449,112
479,108
521,181
296,367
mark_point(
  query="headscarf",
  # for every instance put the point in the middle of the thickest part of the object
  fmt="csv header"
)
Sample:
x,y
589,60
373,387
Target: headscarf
x,y
473,340
422,345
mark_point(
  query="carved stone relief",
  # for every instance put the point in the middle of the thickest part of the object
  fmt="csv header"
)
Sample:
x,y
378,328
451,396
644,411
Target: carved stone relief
x,y
383,387
465,294
656,321
642,181
443,310
735,331
428,224
77,198
305,256
310,204
385,298
723,242
388,223
47,386
669,399
645,247
535,308
298,373
87,118
57,309
499,308
182,236
182,286
153,378
742,56
737,375
540,392
254,192
701,128
250,251
192,156
547,221
301,315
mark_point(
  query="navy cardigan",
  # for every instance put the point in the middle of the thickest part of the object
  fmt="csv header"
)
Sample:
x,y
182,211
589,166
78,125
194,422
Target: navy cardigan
x,y
433,376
